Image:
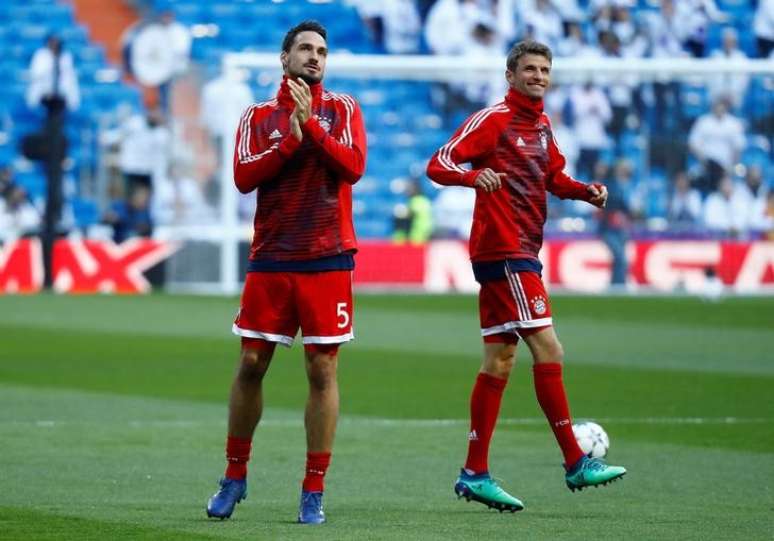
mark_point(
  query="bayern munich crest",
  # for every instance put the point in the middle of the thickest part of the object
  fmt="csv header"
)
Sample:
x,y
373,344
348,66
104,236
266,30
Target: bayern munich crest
x,y
543,140
539,305
325,123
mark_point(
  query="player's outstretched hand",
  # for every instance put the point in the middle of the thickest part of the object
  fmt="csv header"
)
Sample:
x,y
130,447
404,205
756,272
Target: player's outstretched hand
x,y
302,95
295,126
598,194
489,181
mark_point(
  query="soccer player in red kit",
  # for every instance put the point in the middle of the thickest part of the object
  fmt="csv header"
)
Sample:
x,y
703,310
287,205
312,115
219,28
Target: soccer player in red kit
x,y
515,160
301,152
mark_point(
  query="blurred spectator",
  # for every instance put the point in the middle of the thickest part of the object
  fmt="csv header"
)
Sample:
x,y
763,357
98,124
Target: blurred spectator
x,y
449,25
763,217
223,100
685,203
179,200
157,51
592,113
414,222
144,147
543,23
131,217
695,17
763,26
620,89
716,139
53,82
574,43
567,141
734,86
18,217
664,32
569,10
453,212
395,24
615,221
479,93
752,193
724,214
179,41
6,179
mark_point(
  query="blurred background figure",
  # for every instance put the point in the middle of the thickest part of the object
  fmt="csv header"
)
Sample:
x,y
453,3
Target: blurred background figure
x,y
414,221
731,86
395,25
592,114
131,216
615,219
18,216
724,214
53,82
716,139
763,26
178,199
143,142
685,206
453,213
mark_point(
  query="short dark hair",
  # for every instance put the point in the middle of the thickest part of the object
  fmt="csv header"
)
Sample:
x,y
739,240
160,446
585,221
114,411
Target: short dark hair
x,y
524,48
303,26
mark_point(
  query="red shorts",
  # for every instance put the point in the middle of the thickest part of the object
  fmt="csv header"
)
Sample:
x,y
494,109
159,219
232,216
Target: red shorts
x,y
517,304
275,304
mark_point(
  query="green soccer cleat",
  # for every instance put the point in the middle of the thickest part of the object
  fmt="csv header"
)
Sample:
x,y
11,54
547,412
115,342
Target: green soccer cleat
x,y
592,472
483,489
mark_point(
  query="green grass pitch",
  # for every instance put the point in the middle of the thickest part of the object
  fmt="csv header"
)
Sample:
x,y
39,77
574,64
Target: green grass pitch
x,y
112,422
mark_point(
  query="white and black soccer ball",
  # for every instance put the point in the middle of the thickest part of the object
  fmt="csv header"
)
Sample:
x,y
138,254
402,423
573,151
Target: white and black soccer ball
x,y
592,439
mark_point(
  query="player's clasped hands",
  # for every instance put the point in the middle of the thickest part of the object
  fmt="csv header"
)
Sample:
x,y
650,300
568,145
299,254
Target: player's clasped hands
x,y
489,181
302,95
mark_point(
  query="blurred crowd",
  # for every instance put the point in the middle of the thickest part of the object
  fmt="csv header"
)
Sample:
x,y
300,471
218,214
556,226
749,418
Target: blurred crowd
x,y
605,125
633,135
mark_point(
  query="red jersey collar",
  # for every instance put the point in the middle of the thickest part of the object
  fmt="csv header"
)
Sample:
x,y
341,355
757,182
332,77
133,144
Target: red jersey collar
x,y
523,104
284,97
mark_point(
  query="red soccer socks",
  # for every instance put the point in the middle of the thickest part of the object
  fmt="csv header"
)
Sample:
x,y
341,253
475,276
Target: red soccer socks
x,y
552,398
237,455
484,408
316,466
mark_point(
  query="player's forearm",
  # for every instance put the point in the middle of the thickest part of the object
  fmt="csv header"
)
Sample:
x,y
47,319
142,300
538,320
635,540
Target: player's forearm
x,y
252,170
444,171
564,186
347,161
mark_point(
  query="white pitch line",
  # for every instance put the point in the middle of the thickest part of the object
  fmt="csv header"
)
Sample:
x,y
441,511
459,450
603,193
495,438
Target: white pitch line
x,y
412,423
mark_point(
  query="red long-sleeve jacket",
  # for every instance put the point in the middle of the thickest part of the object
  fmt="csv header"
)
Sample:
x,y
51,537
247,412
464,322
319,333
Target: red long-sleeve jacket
x,y
304,188
512,137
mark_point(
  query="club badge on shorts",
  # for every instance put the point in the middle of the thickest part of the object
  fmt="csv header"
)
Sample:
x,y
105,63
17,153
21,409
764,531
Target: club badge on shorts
x,y
539,305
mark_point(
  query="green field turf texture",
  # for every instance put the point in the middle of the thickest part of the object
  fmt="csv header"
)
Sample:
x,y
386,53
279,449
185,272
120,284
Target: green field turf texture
x,y
112,420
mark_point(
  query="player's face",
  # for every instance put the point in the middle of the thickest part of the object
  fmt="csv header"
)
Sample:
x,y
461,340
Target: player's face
x,y
532,75
306,58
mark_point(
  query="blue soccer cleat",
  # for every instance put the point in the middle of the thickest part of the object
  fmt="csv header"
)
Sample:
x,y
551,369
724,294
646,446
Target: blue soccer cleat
x,y
592,472
483,489
310,511
222,503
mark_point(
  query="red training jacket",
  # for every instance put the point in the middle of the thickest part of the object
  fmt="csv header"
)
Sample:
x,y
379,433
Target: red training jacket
x,y
304,189
512,137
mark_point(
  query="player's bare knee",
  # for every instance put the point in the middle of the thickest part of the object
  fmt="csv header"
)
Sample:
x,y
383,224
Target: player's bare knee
x,y
253,365
321,371
500,361
549,353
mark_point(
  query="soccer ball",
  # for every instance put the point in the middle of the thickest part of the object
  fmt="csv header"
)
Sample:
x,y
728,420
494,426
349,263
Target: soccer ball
x,y
592,439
